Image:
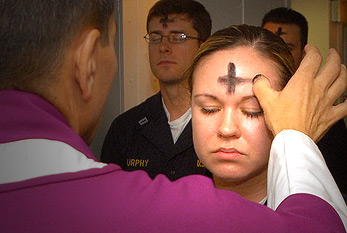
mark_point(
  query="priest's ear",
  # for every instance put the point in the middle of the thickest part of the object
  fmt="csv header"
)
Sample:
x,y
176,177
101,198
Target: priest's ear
x,y
85,61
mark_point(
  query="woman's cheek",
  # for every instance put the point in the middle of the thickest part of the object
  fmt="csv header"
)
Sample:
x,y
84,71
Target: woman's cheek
x,y
203,130
255,132
251,125
253,128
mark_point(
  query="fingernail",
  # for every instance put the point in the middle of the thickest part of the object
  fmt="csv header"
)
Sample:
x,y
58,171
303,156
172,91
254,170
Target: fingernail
x,y
255,78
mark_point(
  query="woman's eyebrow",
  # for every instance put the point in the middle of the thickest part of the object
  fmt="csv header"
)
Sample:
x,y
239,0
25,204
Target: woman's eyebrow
x,y
248,97
205,95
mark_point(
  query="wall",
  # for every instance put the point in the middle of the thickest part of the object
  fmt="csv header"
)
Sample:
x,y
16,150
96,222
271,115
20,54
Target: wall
x,y
138,80
114,104
226,12
317,15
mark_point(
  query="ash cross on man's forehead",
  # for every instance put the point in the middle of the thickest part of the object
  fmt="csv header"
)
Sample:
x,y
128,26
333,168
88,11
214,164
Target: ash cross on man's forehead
x,y
280,32
230,80
166,20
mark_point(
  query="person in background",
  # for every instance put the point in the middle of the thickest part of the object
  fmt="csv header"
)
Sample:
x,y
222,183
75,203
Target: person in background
x,y
51,103
292,27
156,136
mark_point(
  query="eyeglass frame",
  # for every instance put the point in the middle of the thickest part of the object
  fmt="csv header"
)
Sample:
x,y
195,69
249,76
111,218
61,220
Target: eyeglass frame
x,y
168,37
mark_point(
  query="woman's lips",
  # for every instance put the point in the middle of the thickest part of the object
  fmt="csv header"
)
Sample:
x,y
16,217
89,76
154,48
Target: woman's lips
x,y
227,153
165,63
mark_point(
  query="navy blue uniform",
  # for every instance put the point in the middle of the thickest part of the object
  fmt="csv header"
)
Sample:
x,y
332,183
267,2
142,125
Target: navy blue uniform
x,y
334,149
141,139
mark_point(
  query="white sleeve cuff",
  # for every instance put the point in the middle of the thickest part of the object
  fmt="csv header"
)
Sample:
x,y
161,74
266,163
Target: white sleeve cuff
x,y
297,166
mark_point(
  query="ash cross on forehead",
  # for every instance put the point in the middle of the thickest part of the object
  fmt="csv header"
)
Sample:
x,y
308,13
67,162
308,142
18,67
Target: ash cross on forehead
x,y
166,20
230,80
280,32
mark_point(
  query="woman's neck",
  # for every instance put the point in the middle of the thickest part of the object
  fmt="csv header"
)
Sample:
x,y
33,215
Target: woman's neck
x,y
253,189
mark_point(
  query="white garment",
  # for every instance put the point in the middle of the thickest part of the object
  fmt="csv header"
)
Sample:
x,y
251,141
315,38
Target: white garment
x,y
30,158
297,166
177,126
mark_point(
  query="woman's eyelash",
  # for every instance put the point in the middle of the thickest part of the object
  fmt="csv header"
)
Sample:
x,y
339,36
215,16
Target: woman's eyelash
x,y
209,110
253,114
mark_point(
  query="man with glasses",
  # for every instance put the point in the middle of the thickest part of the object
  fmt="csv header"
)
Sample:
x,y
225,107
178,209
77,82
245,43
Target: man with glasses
x,y
156,136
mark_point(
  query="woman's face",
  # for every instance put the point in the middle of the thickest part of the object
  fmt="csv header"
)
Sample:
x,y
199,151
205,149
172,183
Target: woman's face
x,y
229,131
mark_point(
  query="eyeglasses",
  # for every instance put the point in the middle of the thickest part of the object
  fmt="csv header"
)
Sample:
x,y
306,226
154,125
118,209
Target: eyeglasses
x,y
174,37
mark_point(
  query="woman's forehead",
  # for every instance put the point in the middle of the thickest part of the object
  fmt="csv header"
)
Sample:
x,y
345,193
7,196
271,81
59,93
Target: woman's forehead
x,y
231,79
234,66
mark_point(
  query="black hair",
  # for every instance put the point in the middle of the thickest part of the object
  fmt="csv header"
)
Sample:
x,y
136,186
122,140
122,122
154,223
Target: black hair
x,y
288,16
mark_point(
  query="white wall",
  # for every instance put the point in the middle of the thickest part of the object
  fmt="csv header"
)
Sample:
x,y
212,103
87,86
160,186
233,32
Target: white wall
x,y
138,81
226,12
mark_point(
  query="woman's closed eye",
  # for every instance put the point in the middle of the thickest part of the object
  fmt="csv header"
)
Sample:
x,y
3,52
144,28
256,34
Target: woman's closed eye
x,y
209,110
252,114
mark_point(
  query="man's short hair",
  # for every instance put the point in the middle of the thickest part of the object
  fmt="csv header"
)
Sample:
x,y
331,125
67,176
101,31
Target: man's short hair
x,y
195,11
35,34
288,16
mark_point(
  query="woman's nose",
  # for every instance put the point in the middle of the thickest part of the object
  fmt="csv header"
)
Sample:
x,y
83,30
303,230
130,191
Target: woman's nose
x,y
229,125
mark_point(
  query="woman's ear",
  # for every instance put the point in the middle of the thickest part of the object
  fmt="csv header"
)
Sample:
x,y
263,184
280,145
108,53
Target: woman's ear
x,y
85,61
